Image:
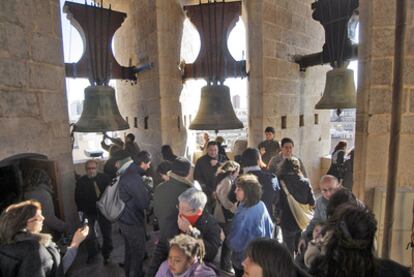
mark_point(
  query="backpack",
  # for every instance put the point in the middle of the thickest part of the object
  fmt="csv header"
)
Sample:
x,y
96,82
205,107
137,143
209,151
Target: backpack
x,y
110,204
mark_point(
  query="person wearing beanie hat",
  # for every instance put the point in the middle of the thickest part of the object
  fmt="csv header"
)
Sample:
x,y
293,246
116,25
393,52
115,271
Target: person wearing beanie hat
x,y
165,203
166,194
181,166
163,169
131,222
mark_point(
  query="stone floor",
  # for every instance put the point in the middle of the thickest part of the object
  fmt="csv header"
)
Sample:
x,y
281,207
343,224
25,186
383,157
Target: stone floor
x,y
97,268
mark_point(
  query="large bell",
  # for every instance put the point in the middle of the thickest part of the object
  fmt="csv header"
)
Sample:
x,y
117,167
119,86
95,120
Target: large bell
x,y
100,111
339,90
215,111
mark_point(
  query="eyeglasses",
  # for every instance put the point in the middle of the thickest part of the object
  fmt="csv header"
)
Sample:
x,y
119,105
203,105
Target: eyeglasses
x,y
90,168
184,211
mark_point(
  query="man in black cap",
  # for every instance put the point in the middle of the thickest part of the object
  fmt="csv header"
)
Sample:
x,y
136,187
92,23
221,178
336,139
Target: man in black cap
x,y
132,220
165,207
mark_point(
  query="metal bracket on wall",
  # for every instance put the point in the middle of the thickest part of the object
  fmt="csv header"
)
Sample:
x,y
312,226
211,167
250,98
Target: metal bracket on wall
x,y
320,58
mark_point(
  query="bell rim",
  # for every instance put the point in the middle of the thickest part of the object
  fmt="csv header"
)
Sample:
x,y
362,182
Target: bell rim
x,y
202,127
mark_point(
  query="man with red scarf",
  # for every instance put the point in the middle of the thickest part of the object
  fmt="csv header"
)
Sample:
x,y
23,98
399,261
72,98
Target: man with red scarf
x,y
197,222
193,220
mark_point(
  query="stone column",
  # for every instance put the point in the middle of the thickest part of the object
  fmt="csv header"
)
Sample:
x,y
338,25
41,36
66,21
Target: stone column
x,y
33,107
374,108
278,30
152,33
376,58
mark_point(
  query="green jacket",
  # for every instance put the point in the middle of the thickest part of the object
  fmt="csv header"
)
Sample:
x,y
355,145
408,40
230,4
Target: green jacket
x,y
166,198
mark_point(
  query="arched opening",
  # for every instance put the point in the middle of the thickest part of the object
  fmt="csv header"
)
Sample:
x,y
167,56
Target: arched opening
x,y
190,94
343,126
73,49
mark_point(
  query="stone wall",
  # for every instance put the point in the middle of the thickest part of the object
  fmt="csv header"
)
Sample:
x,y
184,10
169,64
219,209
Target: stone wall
x,y
277,30
374,108
33,108
152,33
376,61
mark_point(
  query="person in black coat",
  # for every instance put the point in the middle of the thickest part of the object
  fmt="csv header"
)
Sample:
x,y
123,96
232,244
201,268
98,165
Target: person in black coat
x,y
350,249
270,185
25,251
109,167
205,171
338,159
87,191
131,222
192,219
167,153
301,190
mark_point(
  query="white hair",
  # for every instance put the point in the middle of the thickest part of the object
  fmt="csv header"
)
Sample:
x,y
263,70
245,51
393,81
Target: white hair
x,y
195,198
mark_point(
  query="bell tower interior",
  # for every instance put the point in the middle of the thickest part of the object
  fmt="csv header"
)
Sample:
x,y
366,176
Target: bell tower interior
x,y
34,108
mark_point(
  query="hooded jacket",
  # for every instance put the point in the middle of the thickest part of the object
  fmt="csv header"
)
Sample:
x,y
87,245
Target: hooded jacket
x,y
166,198
33,255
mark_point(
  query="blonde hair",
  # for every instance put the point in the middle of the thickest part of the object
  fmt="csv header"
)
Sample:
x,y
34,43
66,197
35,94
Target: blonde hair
x,y
191,247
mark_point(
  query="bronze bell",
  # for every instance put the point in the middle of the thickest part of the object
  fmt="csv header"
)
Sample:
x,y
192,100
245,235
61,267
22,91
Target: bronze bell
x,y
100,111
215,111
339,90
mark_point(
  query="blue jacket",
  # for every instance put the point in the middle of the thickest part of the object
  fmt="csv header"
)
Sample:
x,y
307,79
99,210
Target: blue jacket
x,y
248,224
134,194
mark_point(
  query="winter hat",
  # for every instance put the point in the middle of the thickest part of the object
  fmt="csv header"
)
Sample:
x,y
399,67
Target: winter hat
x,y
181,166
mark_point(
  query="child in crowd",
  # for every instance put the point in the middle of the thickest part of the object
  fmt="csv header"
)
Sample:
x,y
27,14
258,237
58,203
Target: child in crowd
x,y
185,259
314,245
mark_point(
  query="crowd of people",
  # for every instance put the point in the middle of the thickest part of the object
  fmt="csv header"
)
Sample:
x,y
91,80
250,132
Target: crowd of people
x,y
259,214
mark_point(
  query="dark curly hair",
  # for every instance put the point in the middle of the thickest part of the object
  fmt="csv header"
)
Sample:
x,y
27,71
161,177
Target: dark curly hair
x,y
340,197
350,250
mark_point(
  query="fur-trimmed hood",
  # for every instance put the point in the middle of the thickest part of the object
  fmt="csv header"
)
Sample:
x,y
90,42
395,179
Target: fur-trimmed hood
x,y
42,238
30,254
